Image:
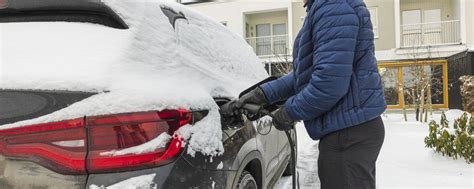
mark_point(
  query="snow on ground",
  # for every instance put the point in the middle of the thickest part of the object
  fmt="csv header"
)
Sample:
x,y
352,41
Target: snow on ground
x,y
404,162
307,165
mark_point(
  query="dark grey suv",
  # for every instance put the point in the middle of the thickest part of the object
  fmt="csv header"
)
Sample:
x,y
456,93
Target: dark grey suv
x,y
125,94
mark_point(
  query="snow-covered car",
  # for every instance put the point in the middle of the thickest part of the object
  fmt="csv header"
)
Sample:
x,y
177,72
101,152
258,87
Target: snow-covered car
x,y
126,94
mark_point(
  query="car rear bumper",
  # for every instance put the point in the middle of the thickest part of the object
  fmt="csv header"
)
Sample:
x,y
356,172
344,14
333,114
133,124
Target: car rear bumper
x,y
179,174
16,174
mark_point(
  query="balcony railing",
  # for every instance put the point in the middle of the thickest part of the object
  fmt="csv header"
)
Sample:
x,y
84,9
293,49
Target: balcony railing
x,y
431,34
270,47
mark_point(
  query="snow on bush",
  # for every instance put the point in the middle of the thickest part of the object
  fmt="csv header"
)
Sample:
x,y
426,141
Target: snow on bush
x,y
467,92
453,140
149,67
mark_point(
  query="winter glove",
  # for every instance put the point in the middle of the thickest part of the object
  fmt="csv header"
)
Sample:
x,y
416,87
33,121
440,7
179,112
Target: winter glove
x,y
282,120
255,96
231,108
234,107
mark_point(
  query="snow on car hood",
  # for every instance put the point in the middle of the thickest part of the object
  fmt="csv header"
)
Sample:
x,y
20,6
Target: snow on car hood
x,y
151,66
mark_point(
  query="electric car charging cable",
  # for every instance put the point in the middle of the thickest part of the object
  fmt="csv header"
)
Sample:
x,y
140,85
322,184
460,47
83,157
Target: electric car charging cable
x,y
256,109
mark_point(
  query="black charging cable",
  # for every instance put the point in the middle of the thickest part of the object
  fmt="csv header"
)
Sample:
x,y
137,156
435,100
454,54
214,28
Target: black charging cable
x,y
255,109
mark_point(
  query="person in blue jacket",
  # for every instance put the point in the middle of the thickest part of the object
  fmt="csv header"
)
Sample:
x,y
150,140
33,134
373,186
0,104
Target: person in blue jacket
x,y
335,88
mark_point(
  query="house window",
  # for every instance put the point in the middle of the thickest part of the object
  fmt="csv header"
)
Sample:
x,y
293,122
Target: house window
x,y
264,39
411,28
278,68
279,39
271,39
390,84
424,27
406,83
375,21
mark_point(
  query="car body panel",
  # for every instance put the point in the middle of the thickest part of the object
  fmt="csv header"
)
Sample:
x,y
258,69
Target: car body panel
x,y
173,175
18,174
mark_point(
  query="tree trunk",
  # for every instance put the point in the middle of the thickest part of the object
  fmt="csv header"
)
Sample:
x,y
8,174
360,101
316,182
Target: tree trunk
x,y
430,105
405,114
422,104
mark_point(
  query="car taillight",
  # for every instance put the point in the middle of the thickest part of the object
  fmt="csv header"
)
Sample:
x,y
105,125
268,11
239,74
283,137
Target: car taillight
x,y
44,143
101,143
3,4
111,133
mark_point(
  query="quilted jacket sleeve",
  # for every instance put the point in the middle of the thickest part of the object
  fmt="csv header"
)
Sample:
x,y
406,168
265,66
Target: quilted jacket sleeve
x,y
280,89
335,27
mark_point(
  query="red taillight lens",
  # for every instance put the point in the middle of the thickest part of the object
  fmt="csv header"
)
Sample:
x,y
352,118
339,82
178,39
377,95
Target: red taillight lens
x,y
111,134
3,4
60,146
63,146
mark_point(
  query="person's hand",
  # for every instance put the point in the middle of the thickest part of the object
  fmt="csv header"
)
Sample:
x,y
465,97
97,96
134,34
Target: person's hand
x,y
231,108
256,97
235,107
282,120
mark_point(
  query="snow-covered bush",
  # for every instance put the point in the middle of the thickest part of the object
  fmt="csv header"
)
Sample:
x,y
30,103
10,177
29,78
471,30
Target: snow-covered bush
x,y
467,92
456,141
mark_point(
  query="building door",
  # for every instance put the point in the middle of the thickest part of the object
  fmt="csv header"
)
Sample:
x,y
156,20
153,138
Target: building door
x,y
433,15
279,39
263,42
432,27
411,28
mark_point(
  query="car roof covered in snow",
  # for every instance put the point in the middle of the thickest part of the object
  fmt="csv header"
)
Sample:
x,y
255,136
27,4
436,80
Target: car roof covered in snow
x,y
91,57
150,66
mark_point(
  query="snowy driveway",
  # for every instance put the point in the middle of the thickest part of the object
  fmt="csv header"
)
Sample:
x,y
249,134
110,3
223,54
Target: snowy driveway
x,y
404,161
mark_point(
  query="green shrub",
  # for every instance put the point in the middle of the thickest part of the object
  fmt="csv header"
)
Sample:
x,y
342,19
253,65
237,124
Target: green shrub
x,y
456,142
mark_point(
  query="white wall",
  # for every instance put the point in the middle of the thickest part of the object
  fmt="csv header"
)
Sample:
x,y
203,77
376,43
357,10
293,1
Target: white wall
x,y
233,12
456,5
470,23
386,24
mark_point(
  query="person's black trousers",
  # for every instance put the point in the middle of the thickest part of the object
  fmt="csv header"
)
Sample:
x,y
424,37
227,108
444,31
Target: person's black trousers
x,y
347,157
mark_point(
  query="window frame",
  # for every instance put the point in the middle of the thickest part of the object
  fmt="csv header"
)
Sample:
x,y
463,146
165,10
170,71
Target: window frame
x,y
375,25
401,96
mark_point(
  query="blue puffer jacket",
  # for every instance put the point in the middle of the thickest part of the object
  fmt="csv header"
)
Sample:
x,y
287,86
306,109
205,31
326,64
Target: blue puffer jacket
x,y
335,83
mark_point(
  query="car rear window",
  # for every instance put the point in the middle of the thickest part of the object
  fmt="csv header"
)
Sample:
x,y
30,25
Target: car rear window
x,y
23,105
89,11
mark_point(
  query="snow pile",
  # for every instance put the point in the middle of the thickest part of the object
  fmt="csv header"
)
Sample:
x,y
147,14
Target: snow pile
x,y
61,56
203,137
149,67
451,116
467,92
140,182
